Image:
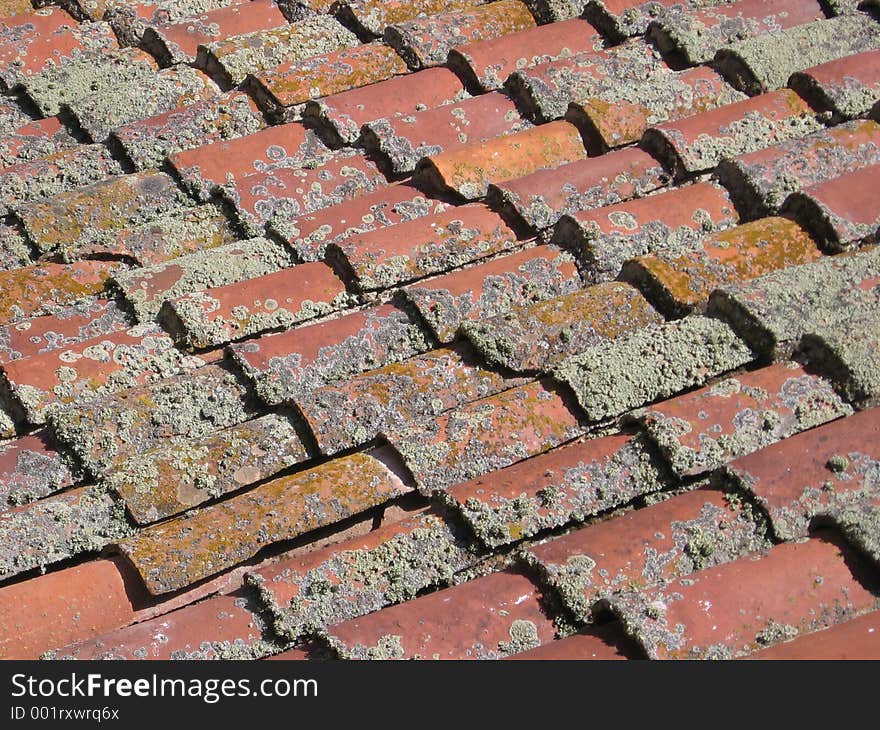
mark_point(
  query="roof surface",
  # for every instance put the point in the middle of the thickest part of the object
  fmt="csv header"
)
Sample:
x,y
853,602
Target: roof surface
x,y
439,329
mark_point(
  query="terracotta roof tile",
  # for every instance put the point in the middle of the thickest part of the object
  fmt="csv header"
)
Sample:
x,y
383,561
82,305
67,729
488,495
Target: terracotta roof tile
x,y
766,62
818,472
539,199
184,473
11,8
681,284
186,407
65,326
699,143
225,162
484,435
147,288
545,90
847,86
362,575
291,365
840,212
33,140
774,311
222,627
700,431
187,549
554,11
354,412
760,181
31,468
572,482
855,639
469,170
56,528
621,19
486,64
57,173
67,605
12,116
179,42
344,114
695,36
98,211
40,288
310,234
428,245
424,42
669,222
371,17
618,115
540,335
647,547
604,643
281,299
285,88
650,364
292,192
148,141
15,251
494,287
749,604
131,18
231,59
403,141
486,618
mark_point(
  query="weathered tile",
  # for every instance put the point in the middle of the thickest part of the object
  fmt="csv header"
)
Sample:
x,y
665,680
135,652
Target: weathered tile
x,y
290,365
344,114
485,435
538,336
485,618
430,245
288,193
33,140
647,547
698,143
651,364
41,288
28,24
284,89
11,8
371,17
99,211
131,18
746,605
90,369
15,251
148,141
353,412
606,642
619,114
177,476
56,528
848,87
494,287
231,59
469,170
774,311
184,407
760,181
621,19
539,199
389,565
404,140
310,234
544,91
700,431
147,288
187,549
224,162
486,64
31,468
841,212
65,326
855,639
284,298
765,63
570,483
694,37
12,116
57,173
680,284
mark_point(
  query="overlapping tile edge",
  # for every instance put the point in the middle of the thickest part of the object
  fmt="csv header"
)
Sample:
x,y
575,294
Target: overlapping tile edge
x,y
292,406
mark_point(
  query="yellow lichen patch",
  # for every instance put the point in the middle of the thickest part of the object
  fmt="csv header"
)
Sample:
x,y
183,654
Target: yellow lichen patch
x,y
9,8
